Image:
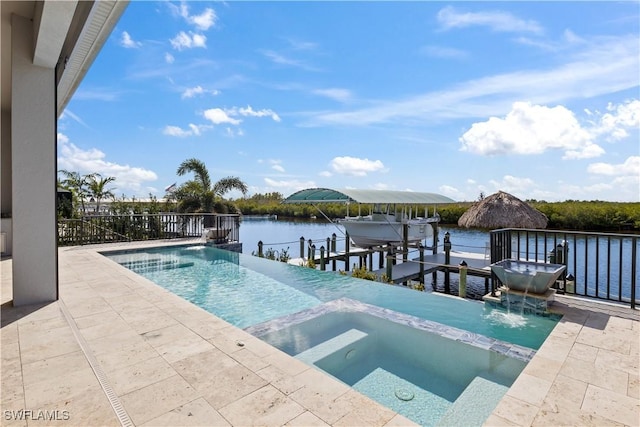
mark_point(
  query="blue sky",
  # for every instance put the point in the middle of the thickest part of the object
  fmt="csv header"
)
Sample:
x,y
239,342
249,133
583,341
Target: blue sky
x,y
539,99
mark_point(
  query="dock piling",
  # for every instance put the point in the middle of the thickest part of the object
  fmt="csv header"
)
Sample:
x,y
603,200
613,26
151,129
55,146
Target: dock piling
x,y
302,247
346,252
462,291
333,249
421,249
447,261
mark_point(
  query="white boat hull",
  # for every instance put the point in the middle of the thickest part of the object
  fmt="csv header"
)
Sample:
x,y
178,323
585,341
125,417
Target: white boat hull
x,y
365,233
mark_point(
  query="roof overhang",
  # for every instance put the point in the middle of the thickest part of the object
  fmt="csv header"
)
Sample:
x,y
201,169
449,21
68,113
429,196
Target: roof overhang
x,y
68,35
327,195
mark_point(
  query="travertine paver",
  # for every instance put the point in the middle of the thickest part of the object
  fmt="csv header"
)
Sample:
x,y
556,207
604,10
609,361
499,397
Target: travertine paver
x,y
530,389
195,413
592,362
171,363
271,405
147,403
608,404
306,419
141,374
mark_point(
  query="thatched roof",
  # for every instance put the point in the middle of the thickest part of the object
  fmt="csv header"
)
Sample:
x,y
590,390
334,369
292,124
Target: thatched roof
x,y
502,210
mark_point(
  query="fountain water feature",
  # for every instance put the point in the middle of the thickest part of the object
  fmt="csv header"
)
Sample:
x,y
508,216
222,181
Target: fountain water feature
x,y
522,279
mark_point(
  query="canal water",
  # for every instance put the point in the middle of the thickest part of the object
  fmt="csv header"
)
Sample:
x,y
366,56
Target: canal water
x,y
284,236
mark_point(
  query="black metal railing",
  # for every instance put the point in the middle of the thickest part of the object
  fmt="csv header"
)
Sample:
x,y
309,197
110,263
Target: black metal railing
x,y
599,265
94,229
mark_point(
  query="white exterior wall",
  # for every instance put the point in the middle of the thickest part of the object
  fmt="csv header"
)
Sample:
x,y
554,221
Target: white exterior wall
x,y
33,158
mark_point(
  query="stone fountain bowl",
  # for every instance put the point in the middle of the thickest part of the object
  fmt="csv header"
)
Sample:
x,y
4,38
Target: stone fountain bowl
x,y
527,276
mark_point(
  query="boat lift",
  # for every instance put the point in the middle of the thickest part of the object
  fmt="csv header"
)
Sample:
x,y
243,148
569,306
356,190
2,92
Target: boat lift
x,y
315,196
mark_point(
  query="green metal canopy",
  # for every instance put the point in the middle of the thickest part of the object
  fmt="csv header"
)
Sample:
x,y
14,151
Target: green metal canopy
x,y
327,195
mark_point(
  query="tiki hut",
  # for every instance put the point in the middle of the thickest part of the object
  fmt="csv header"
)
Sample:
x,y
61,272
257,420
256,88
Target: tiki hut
x,y
502,210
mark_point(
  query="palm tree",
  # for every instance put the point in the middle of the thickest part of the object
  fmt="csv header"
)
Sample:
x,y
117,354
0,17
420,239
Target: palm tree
x,y
77,184
97,188
198,194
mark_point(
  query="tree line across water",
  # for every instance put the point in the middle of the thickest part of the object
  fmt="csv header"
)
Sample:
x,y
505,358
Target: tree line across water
x,y
566,215
202,195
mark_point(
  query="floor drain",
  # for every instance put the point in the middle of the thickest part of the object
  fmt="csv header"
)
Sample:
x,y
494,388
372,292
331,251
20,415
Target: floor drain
x,y
403,394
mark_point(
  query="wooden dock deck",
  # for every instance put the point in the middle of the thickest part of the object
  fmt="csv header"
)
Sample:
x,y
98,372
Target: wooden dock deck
x,y
334,256
477,265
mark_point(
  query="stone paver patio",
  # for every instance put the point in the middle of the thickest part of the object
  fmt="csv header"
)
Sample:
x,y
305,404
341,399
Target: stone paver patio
x,y
117,349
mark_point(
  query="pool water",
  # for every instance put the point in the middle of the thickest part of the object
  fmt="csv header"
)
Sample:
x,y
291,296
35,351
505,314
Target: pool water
x,y
430,379
246,290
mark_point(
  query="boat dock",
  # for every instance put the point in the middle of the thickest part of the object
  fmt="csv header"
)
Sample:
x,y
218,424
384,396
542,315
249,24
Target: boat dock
x,y
477,265
394,264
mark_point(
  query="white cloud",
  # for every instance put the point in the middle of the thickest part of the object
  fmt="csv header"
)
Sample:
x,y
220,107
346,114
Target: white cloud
x,y
194,130
354,166
280,59
380,186
276,165
325,174
569,40
204,21
601,66
291,185
619,119
531,129
192,91
337,94
449,17
228,115
572,37
630,167
250,112
62,138
452,192
127,42
168,58
232,133
514,185
187,41
128,178
71,114
218,116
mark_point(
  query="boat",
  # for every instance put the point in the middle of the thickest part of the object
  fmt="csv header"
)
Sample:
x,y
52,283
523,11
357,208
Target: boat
x,y
384,226
388,213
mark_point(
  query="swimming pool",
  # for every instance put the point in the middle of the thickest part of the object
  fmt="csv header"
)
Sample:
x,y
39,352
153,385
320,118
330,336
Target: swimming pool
x,y
246,290
438,360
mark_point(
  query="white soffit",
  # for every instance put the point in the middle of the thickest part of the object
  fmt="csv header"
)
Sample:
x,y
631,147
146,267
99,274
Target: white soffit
x,y
52,22
101,20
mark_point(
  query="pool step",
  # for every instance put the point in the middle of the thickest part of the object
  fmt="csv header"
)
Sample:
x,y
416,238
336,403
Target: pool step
x,y
474,405
155,264
340,342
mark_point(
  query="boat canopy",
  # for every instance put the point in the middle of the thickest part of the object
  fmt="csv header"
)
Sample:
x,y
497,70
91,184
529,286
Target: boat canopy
x,y
327,195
